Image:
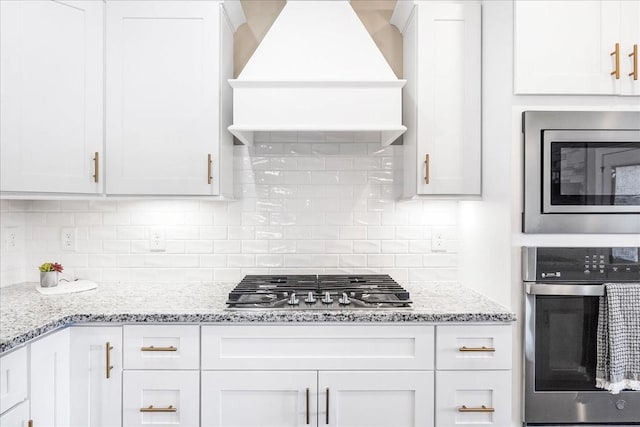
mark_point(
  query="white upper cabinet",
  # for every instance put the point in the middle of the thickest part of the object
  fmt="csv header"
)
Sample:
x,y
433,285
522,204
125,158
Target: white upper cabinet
x,y
51,102
168,100
570,47
441,100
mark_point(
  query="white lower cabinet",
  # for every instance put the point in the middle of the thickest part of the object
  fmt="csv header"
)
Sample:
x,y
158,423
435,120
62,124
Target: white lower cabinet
x,y
161,398
470,398
96,376
376,398
16,417
13,379
259,398
309,398
50,380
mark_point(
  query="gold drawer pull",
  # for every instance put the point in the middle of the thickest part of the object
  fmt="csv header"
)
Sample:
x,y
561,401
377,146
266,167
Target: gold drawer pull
x,y
96,167
480,409
616,54
209,165
169,408
109,365
634,54
478,349
427,169
152,348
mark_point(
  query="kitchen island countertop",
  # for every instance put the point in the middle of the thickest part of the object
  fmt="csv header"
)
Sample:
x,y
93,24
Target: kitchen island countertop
x,y
26,314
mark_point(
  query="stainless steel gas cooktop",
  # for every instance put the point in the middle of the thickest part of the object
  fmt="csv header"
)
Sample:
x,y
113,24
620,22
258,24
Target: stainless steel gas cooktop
x,y
324,292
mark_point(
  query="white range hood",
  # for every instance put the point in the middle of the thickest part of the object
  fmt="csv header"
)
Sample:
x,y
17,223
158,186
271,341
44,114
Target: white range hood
x,y
318,75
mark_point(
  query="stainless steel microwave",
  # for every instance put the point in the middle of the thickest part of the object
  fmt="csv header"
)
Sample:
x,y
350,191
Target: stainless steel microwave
x,y
581,172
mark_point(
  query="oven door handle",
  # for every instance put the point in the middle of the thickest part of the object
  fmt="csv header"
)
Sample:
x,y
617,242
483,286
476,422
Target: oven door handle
x,y
564,289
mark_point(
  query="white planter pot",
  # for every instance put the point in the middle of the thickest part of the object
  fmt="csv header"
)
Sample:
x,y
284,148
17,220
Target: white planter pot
x,y
48,279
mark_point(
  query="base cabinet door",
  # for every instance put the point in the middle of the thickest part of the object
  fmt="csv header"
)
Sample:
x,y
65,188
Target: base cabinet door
x,y
49,391
160,398
259,398
16,417
13,379
376,398
471,398
96,376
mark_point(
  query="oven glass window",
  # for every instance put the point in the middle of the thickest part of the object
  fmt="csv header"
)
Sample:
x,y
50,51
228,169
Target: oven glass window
x,y
595,173
565,347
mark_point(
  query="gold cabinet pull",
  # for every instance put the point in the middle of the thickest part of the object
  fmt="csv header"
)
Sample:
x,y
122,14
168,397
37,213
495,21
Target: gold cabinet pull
x,y
483,408
96,166
150,408
616,70
427,169
477,349
152,348
634,73
327,407
307,405
30,423
209,163
109,347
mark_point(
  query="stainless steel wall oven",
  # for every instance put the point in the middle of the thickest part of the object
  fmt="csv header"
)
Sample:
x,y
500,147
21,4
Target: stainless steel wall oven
x,y
581,172
562,290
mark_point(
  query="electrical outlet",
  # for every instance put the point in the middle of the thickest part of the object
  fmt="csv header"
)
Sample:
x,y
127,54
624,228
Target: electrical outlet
x,y
438,243
12,239
157,241
68,237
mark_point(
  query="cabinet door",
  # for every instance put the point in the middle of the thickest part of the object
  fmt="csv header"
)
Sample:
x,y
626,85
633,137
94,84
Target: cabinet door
x,y
564,46
13,378
96,376
16,417
630,37
448,155
162,96
259,398
51,103
376,398
471,398
160,398
50,380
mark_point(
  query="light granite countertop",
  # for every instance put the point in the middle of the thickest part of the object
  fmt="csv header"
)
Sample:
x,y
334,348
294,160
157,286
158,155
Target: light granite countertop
x,y
26,314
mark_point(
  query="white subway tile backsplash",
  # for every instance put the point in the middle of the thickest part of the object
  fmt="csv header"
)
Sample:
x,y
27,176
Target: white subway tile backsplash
x,y
304,206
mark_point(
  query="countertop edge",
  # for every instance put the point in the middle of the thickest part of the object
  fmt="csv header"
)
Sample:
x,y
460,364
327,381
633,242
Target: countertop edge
x,y
256,317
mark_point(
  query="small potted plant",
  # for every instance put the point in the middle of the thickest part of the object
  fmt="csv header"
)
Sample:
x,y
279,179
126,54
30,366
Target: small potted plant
x,y
49,274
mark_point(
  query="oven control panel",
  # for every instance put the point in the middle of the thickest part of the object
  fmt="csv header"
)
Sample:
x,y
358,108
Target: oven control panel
x,y
584,264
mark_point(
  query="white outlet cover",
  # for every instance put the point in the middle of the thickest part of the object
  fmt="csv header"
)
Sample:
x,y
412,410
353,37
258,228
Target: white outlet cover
x,y
68,239
438,241
157,240
12,239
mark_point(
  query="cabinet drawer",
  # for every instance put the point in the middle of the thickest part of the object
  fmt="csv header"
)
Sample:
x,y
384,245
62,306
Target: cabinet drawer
x,y
316,347
473,347
161,398
16,417
13,379
471,398
161,347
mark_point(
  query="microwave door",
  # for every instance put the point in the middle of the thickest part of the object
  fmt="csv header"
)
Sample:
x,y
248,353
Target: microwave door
x,y
591,171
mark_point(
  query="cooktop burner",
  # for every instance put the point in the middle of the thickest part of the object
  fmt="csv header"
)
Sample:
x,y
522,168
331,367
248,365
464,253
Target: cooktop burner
x,y
323,292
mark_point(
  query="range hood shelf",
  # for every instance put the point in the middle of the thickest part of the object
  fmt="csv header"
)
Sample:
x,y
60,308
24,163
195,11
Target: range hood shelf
x,y
318,71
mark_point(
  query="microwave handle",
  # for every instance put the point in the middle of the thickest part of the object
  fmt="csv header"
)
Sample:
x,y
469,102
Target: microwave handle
x,y
564,289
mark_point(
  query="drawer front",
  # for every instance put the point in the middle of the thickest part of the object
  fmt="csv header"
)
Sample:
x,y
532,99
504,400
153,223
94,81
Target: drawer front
x,y
161,398
317,347
473,347
161,347
471,398
13,379
16,417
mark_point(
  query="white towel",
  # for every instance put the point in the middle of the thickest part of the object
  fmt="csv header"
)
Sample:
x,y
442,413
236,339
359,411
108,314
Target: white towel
x,y
618,356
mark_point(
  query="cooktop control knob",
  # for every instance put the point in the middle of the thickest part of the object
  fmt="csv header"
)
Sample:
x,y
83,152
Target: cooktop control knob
x,y
344,300
310,299
327,298
293,300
